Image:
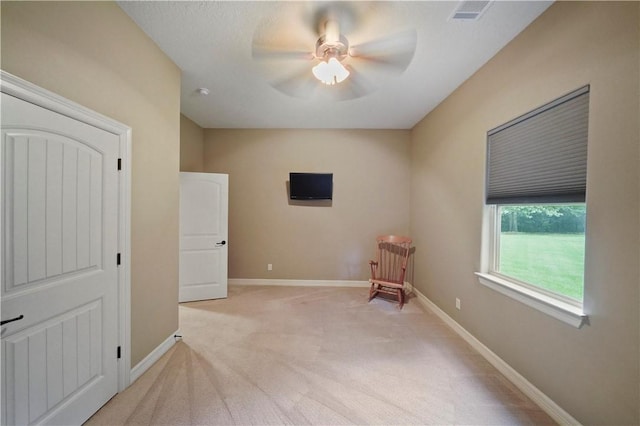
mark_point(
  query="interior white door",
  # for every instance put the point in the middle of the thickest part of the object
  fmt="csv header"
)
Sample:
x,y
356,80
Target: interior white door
x,y
204,205
59,212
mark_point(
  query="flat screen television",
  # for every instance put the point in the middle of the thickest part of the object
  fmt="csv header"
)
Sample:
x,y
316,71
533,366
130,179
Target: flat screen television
x,y
310,186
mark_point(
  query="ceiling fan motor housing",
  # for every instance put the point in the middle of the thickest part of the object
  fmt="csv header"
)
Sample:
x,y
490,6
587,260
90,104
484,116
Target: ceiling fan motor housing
x,y
326,49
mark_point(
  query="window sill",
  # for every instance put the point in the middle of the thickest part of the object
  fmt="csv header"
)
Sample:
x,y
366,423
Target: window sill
x,y
562,311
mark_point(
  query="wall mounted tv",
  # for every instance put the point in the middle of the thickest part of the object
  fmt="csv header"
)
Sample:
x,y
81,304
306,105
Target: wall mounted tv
x,y
310,186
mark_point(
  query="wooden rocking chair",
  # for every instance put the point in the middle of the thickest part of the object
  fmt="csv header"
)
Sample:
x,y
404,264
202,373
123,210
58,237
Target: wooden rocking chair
x,y
388,271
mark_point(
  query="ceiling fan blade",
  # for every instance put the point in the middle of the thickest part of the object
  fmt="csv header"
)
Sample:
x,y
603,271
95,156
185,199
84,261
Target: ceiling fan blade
x,y
395,51
269,53
299,85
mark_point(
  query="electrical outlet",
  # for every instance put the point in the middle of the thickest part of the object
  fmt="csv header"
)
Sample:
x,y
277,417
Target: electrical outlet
x,y
457,303
269,267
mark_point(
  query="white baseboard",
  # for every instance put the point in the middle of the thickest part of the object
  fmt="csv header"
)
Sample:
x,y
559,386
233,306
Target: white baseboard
x,y
154,356
545,403
298,283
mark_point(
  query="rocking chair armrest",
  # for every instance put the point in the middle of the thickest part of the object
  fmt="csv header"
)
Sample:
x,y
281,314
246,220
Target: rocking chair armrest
x,y
374,266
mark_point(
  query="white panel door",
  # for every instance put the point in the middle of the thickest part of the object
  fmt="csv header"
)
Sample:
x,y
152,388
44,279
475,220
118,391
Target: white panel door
x,y
59,212
204,205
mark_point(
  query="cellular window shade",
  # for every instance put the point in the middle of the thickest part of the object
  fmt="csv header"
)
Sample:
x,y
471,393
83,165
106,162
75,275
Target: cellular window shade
x,y
541,157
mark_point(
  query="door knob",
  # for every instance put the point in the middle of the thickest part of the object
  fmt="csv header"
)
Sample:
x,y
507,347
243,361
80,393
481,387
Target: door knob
x,y
11,320
221,243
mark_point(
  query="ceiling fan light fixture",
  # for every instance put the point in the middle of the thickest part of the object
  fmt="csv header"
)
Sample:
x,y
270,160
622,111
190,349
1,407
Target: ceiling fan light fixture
x,y
330,72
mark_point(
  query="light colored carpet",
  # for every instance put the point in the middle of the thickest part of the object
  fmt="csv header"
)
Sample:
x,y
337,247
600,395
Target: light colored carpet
x,y
321,356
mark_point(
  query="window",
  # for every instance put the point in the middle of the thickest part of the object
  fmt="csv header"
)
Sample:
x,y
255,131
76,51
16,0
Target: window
x,y
543,246
536,211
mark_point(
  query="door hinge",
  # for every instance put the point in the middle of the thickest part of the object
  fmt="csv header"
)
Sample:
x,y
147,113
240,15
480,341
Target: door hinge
x,y
119,353
118,259
119,163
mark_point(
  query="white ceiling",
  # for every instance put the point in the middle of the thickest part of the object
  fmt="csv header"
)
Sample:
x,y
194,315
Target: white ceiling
x,y
211,42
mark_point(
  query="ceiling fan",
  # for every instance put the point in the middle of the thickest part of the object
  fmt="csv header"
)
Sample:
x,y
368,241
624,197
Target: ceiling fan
x,y
333,69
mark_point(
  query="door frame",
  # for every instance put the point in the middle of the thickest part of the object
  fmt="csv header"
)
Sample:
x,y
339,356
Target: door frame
x,y
29,92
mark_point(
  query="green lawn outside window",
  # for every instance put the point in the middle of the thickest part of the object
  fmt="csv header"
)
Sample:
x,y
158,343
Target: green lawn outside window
x,y
551,261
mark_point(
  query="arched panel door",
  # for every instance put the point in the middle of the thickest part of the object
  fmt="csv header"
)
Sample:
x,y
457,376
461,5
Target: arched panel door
x,y
203,236
59,268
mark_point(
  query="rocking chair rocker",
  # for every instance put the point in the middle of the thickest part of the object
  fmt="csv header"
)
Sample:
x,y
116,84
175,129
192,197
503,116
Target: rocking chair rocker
x,y
388,271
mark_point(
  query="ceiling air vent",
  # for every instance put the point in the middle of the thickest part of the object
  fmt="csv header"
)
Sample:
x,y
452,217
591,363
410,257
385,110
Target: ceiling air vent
x,y
470,10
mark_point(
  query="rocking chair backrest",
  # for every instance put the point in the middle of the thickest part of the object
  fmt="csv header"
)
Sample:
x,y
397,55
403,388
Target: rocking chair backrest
x,y
393,253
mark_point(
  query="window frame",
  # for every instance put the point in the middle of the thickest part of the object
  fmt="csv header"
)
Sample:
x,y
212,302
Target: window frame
x,y
556,305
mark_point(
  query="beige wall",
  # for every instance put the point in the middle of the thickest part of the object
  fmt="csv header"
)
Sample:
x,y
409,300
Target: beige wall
x,y
93,54
371,196
591,372
191,146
